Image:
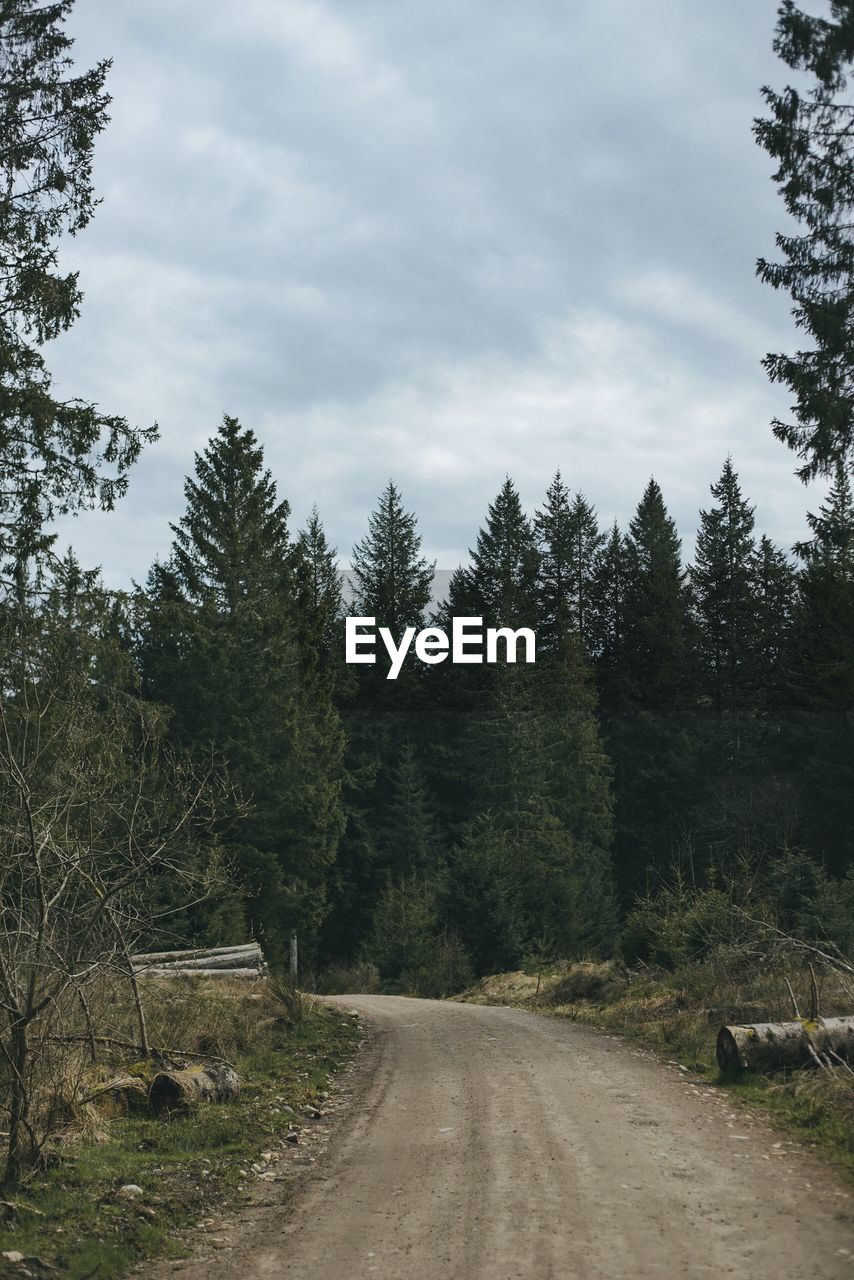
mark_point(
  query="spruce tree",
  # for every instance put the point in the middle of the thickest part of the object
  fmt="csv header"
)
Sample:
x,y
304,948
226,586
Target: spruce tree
x,y
609,618
407,827
223,629
392,579
808,134
775,591
823,680
55,455
505,563
647,724
722,578
319,602
570,544
392,583
552,526
656,629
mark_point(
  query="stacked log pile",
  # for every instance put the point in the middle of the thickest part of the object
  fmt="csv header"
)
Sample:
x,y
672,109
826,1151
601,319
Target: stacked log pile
x,y
246,961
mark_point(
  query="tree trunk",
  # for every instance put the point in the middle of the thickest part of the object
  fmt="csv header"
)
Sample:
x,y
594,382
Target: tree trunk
x,y
770,1046
138,1006
20,1150
178,1090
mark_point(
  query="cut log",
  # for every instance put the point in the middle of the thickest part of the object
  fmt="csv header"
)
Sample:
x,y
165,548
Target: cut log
x,y
168,972
179,1090
771,1046
242,960
159,957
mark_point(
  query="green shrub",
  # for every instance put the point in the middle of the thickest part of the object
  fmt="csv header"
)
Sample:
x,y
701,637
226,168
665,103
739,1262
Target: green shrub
x,y
360,978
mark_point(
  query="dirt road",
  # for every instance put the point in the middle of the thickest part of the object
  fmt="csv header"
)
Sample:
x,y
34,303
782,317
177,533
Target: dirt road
x,y
492,1144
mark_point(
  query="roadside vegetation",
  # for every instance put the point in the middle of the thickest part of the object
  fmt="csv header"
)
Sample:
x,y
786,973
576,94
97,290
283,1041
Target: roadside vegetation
x,y
696,961
113,1183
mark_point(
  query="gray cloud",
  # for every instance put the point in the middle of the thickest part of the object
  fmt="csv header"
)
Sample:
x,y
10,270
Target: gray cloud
x,y
441,242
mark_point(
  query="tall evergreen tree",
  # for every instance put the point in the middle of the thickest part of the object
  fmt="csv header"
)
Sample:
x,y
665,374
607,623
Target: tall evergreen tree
x,y
775,589
55,455
609,618
392,583
553,531
647,729
570,544
319,602
407,829
722,578
808,133
392,580
823,679
505,563
223,631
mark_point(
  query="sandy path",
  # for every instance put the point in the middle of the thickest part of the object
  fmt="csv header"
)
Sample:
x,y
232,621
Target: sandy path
x,y
493,1144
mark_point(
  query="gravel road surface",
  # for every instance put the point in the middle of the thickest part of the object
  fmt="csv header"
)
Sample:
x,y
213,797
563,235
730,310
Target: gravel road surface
x,y
483,1143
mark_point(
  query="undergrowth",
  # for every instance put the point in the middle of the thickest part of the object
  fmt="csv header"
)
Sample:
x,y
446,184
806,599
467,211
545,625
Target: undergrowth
x,y
72,1214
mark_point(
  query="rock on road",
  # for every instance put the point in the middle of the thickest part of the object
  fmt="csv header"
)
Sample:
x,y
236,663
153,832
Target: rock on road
x,y
495,1144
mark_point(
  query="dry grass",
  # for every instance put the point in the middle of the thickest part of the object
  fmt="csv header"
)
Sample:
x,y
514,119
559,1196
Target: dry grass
x,y
285,1048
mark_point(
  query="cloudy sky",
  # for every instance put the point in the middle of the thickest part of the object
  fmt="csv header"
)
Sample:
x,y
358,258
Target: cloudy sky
x,y
438,241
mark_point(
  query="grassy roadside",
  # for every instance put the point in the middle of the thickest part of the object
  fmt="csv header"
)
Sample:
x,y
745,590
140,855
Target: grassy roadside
x,y
679,1014
73,1214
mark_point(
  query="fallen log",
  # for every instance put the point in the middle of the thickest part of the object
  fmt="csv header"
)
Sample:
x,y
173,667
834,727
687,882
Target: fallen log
x,y
193,953
179,1090
771,1046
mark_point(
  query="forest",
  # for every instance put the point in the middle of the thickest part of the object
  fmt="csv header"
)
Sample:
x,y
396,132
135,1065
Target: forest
x,y
686,723
192,760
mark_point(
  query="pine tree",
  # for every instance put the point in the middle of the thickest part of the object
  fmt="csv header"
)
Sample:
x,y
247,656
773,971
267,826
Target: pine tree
x,y
775,590
823,679
656,630
223,630
647,730
809,135
722,578
407,828
478,897
570,544
55,455
319,602
553,531
392,583
609,618
392,579
505,563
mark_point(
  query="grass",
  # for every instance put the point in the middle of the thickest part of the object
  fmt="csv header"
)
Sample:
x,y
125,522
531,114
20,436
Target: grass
x,y
679,1014
72,1213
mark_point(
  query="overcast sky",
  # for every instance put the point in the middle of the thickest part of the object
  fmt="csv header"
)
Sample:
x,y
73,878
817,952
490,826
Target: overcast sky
x,y
438,241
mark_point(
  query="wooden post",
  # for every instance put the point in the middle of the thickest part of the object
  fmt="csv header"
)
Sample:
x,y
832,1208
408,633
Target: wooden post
x,y
293,958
